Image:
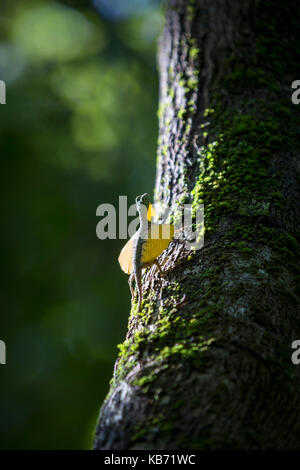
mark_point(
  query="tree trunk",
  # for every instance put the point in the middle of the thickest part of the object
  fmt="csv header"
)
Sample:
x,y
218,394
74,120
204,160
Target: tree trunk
x,y
216,372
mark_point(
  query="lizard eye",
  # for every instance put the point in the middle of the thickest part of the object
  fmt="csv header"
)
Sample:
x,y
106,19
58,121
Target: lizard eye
x,y
144,199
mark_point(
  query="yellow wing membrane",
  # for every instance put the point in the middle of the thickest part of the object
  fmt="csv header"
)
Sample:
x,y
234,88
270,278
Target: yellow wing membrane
x,y
126,255
159,239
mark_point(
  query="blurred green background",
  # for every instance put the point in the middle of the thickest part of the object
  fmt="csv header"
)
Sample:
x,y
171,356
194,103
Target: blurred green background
x,y
79,129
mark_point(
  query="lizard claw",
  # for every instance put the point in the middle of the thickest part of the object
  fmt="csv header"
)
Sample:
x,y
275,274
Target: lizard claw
x,y
183,301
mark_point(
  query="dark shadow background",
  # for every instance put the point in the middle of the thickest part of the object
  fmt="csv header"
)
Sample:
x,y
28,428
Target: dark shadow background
x,y
79,129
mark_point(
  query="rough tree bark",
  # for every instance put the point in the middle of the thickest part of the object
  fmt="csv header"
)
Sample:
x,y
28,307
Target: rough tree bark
x,y
216,373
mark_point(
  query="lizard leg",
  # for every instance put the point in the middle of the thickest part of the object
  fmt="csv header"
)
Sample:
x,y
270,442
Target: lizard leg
x,y
181,302
131,277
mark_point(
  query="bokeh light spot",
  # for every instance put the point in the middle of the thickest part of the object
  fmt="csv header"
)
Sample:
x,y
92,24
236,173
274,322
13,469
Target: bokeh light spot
x,y
54,32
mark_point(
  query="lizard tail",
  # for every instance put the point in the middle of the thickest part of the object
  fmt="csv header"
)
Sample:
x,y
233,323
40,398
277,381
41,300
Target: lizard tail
x,y
138,282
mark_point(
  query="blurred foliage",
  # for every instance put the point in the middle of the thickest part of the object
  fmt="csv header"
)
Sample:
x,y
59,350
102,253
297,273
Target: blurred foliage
x,y
79,129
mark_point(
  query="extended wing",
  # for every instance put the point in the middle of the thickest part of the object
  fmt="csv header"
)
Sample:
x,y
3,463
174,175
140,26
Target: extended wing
x,y
126,255
159,239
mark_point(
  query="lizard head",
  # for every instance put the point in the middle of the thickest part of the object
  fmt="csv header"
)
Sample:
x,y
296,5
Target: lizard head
x,y
143,204
143,200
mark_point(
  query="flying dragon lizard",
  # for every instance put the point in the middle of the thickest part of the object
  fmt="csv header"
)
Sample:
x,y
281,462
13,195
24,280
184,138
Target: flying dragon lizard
x,y
143,249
